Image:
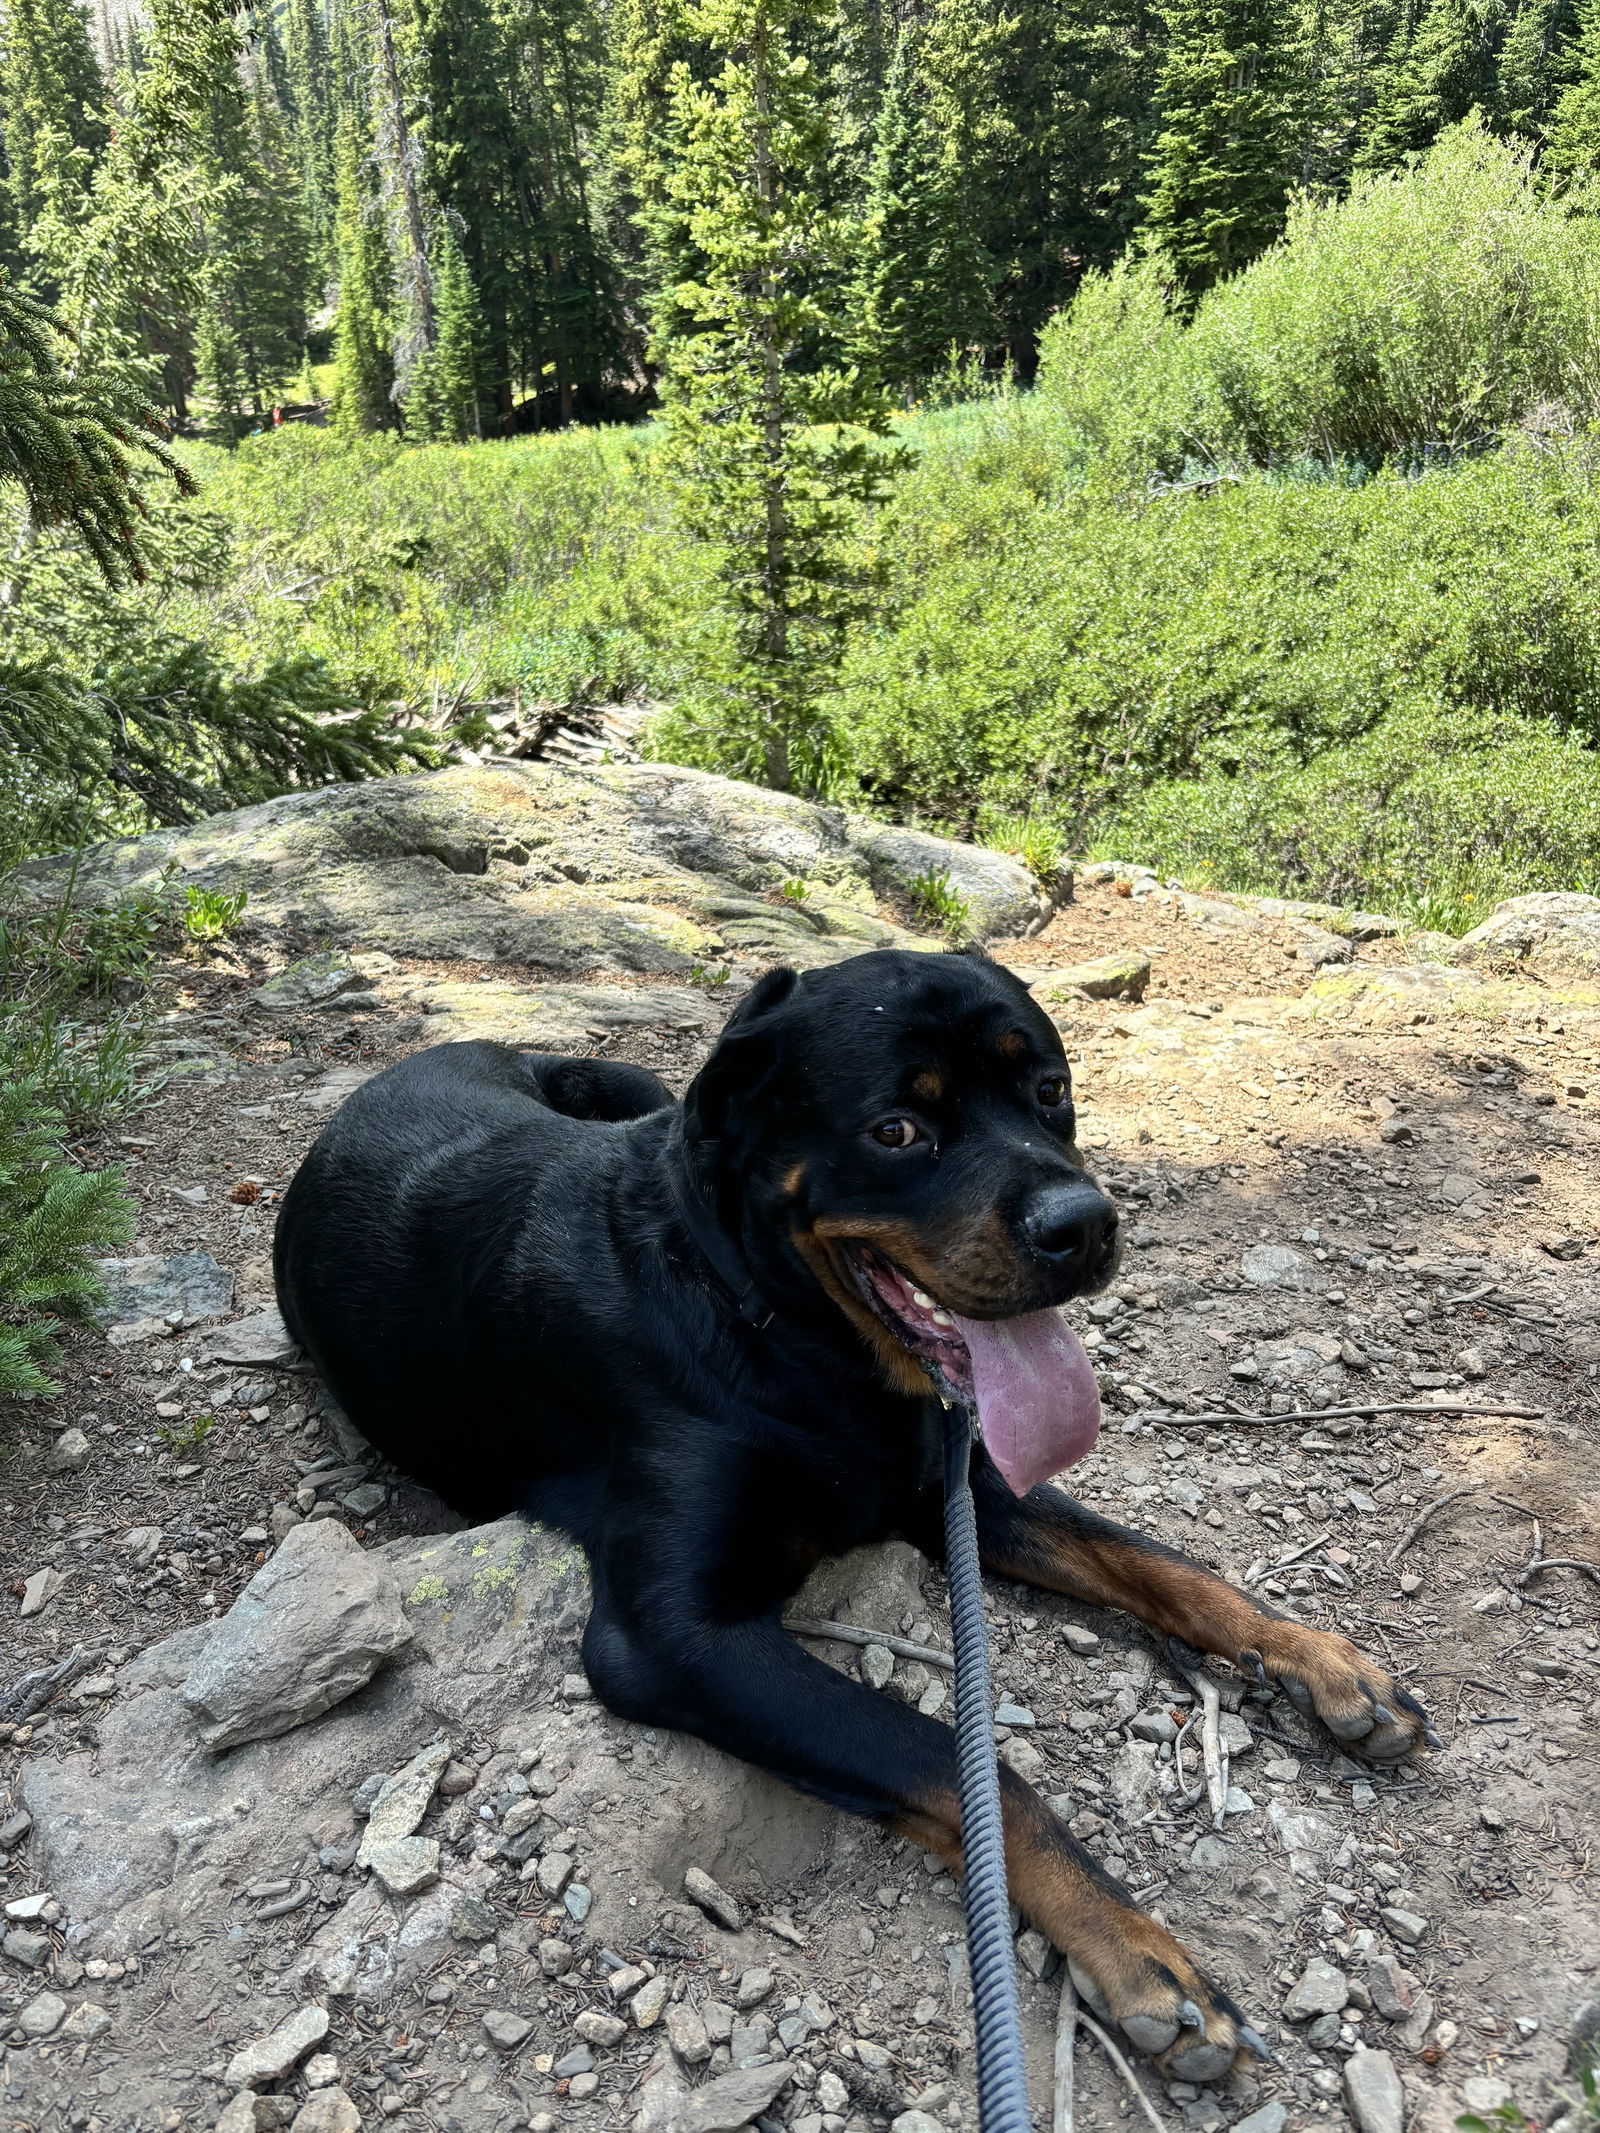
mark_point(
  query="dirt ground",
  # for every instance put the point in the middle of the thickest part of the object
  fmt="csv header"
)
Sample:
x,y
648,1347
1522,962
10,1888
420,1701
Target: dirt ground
x,y
1433,1178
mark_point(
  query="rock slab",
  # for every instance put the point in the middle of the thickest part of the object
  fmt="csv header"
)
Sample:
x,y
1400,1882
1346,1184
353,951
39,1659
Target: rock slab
x,y
1373,2091
313,1625
270,2058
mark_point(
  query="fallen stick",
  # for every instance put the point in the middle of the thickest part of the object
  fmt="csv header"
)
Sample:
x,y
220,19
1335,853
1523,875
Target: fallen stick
x,y
1417,1524
1559,1562
1123,2068
35,1690
1339,1414
1216,1761
1066,2041
1253,1576
849,1633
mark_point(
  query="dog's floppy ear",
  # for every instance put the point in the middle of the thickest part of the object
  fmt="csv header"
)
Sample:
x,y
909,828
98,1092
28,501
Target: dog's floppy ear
x,y
744,1059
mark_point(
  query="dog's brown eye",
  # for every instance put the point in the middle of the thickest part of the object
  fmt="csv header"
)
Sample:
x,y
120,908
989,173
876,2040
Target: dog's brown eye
x,y
894,1132
1053,1090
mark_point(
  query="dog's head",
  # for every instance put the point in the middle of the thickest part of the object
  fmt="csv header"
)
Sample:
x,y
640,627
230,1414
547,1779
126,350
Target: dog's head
x,y
900,1128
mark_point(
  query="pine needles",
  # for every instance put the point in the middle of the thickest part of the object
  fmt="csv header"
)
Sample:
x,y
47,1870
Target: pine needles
x,y
76,442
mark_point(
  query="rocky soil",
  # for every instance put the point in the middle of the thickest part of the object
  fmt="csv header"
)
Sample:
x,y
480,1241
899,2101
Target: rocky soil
x,y
358,1849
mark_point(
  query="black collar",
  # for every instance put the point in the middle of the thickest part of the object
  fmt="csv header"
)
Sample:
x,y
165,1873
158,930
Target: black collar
x,y
691,1197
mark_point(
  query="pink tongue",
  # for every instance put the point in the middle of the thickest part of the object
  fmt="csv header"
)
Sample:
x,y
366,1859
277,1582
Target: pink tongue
x,y
1038,1403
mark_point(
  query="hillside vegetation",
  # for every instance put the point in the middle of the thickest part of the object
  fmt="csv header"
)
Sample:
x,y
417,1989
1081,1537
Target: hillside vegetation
x,y
1303,593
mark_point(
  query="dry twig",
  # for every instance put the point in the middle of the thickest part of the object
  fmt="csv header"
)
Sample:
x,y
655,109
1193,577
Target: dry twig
x,y
1123,2068
1339,1414
1417,1524
1253,1575
1216,1760
849,1633
1066,2041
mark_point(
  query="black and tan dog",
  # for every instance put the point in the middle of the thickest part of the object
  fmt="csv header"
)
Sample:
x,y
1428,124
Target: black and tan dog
x,y
707,1341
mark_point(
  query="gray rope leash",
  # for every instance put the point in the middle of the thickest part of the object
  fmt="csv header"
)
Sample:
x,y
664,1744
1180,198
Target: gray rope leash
x,y
1002,2088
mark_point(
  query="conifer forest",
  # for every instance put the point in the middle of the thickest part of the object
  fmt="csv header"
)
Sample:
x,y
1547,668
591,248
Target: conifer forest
x,y
1163,420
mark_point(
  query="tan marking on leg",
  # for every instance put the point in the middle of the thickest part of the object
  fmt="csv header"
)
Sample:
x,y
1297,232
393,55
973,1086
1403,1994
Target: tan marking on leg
x,y
1134,1961
1180,1599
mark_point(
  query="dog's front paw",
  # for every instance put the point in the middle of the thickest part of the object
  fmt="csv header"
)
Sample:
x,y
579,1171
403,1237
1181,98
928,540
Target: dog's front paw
x,y
1136,1978
1360,1702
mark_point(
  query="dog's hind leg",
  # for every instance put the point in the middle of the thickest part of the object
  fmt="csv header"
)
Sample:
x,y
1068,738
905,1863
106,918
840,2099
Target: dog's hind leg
x,y
749,1689
1048,1539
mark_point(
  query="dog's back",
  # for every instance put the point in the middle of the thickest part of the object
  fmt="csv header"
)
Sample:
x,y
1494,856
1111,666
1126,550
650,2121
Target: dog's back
x,y
417,1197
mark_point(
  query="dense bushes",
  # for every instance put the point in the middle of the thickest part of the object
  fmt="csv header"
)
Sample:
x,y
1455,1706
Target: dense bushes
x,y
441,573
1432,308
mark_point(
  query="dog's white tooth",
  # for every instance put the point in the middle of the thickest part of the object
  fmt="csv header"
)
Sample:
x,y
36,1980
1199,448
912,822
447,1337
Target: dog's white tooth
x,y
943,1318
925,1301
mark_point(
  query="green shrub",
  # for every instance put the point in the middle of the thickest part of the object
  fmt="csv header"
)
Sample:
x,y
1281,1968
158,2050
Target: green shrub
x,y
1430,307
71,1061
1434,815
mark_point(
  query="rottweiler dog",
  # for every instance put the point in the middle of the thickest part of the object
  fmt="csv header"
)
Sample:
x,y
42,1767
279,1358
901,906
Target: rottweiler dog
x,y
712,1341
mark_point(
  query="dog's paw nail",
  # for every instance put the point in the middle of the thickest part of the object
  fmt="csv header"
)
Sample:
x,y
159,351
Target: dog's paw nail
x,y
1431,1734
1149,2032
1190,2016
1298,1694
1253,2042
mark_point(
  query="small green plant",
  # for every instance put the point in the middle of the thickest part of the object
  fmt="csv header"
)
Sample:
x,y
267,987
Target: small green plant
x,y
187,1436
1034,839
710,975
1443,911
53,1219
937,901
795,890
212,914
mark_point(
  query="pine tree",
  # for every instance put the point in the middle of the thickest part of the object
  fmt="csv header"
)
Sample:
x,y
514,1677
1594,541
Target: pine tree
x,y
925,278
769,437
1537,65
399,162
1223,159
52,104
364,370
1573,146
309,102
53,1217
76,438
475,155
250,320
446,404
1436,74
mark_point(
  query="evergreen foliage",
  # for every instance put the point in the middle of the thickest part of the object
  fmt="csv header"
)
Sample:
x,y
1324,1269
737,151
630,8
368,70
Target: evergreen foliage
x,y
53,1217
52,108
75,440
1222,163
363,396
769,434
450,383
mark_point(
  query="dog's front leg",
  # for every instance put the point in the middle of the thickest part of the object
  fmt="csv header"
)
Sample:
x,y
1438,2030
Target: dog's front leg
x,y
1048,1539
747,1687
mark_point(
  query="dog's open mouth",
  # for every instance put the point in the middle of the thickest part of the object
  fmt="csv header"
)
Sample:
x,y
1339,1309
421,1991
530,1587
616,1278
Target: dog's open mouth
x,y
1029,1377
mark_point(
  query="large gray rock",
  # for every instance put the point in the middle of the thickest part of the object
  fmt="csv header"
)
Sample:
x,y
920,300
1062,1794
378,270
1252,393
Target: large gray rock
x,y
184,1285
312,1626
1556,930
574,868
153,1834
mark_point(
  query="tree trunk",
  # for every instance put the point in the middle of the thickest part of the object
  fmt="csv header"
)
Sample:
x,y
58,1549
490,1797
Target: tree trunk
x,y
775,620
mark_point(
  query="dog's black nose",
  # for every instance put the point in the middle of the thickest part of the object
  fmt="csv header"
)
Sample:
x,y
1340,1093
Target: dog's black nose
x,y
1071,1224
